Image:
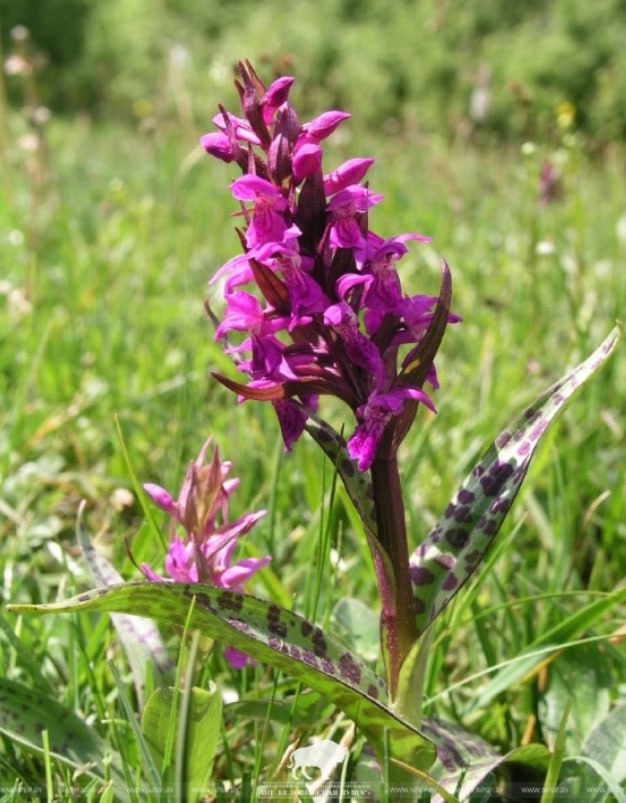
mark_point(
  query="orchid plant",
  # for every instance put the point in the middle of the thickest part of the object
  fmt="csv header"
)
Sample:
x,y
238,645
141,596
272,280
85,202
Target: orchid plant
x,y
313,307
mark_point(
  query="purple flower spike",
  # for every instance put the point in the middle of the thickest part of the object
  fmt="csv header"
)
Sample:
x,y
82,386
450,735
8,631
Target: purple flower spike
x,y
323,311
203,552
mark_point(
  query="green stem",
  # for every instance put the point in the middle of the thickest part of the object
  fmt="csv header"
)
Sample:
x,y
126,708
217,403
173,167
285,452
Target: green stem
x,y
398,629
410,689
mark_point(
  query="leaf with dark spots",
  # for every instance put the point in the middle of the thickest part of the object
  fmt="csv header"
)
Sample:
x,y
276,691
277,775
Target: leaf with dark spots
x,y
455,547
229,601
338,675
358,486
356,483
421,576
464,760
25,713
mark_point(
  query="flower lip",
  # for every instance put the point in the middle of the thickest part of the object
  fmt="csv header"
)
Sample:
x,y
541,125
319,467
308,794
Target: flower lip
x,y
241,128
251,188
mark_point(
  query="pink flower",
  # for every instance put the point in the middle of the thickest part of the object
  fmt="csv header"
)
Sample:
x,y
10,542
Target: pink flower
x,y
345,231
328,315
203,553
350,172
359,348
324,124
218,144
267,224
374,417
276,94
307,160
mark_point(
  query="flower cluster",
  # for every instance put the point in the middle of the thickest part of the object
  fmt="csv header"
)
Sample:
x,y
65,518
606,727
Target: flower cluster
x,y
204,553
328,315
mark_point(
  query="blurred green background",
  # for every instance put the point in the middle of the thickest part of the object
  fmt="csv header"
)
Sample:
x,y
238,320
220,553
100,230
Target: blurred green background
x,y
503,66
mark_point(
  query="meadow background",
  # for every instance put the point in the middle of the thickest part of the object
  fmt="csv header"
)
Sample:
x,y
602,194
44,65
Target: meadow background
x,y
112,220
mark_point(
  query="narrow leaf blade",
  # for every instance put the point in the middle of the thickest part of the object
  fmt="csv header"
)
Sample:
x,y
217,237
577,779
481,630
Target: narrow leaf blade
x,y
454,548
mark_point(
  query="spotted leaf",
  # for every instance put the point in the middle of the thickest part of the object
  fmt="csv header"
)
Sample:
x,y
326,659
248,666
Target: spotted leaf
x,y
25,713
357,483
272,635
464,760
454,548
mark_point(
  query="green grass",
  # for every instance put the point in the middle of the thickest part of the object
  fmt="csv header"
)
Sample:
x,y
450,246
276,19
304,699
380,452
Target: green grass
x,y
107,244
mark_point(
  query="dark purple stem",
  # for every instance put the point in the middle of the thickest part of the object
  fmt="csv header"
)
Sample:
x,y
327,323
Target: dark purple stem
x,y
398,629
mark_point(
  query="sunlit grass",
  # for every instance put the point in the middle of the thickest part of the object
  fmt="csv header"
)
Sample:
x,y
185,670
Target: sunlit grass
x,y
105,351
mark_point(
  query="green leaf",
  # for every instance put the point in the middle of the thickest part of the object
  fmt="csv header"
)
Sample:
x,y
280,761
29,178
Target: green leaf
x,y
556,759
139,637
606,743
202,732
151,770
28,660
301,710
358,485
455,547
25,713
584,666
612,790
361,627
275,636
